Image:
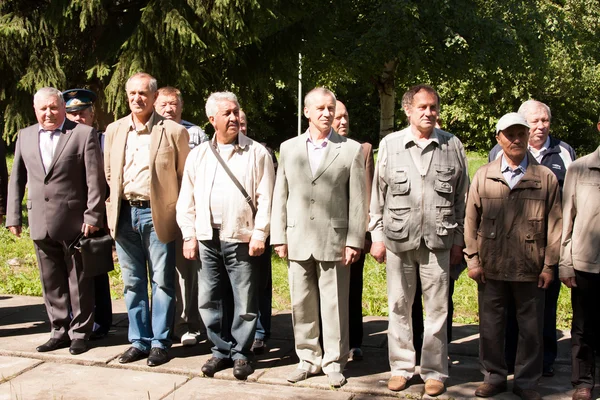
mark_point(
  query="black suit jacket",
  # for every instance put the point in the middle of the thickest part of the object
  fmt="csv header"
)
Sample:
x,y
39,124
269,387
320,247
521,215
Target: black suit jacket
x,y
3,179
71,193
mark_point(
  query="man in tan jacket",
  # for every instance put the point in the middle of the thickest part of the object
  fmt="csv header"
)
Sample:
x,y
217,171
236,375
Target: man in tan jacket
x,y
512,237
144,157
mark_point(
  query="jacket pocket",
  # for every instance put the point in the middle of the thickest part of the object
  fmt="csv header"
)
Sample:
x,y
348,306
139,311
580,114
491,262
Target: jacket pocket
x,y
290,223
445,221
339,223
535,229
396,226
29,204
74,204
400,185
443,179
487,228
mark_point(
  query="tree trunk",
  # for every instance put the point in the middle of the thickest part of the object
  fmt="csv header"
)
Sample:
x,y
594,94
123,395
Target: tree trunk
x,y
387,98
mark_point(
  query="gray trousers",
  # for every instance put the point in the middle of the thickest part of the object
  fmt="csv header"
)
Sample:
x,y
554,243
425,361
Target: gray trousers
x,y
187,314
529,303
320,287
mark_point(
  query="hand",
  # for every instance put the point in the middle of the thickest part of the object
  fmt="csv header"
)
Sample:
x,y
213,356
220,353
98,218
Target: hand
x,y
569,282
281,250
378,251
88,229
456,254
544,280
477,274
256,247
15,230
351,255
190,249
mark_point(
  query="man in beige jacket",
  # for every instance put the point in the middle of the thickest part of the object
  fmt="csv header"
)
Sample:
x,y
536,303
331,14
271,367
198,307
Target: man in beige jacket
x,y
144,156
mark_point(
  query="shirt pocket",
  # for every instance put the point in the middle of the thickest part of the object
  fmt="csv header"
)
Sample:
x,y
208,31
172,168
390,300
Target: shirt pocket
x,y
397,224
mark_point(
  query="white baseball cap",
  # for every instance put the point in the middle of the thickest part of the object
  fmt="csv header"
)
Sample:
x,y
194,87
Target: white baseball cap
x,y
509,120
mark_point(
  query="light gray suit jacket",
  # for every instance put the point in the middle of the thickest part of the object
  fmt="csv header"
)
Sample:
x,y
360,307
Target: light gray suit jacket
x,y
322,214
69,194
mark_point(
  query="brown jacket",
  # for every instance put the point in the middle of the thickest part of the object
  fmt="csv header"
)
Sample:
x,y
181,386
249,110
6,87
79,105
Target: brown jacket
x,y
168,150
513,234
581,223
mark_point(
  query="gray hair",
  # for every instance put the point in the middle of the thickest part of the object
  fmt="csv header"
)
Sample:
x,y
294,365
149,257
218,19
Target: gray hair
x,y
46,92
152,84
212,103
529,104
318,90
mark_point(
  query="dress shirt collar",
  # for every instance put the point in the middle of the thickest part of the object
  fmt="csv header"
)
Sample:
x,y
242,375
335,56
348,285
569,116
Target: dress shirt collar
x,y
60,128
148,126
504,167
322,144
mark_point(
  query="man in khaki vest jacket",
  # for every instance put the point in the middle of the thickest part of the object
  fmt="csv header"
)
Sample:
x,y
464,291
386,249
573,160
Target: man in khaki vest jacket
x,y
417,214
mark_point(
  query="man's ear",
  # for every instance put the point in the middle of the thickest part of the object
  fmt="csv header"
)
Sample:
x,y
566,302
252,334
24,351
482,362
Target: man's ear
x,y
306,112
212,120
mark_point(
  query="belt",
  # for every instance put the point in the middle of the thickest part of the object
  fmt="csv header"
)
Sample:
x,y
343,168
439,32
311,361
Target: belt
x,y
138,203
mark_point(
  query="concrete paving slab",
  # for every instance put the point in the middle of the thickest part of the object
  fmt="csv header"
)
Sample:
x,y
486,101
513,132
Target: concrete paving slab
x,y
12,366
206,388
67,381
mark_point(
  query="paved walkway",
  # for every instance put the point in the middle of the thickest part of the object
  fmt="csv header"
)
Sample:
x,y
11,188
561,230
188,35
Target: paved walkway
x,y
96,374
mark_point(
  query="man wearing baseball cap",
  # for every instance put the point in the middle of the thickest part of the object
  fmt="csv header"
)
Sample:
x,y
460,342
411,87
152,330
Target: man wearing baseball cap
x,y
80,108
512,236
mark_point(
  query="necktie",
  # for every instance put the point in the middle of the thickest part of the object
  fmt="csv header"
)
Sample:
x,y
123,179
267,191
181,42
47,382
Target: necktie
x,y
47,148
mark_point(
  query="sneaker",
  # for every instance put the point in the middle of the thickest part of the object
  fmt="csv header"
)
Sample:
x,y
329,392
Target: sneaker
x,y
189,339
259,346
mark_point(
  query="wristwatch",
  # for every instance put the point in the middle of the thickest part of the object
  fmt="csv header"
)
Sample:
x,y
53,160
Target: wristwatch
x,y
187,238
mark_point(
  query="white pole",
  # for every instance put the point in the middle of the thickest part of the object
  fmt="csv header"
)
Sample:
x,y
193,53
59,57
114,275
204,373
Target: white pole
x,y
299,93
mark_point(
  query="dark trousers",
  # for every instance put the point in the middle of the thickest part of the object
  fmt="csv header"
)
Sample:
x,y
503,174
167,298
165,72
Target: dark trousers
x,y
103,303
585,328
417,317
549,333
265,292
494,297
65,289
355,315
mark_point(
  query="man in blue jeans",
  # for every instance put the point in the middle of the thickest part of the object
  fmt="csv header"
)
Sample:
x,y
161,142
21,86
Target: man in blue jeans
x,y
227,225
144,156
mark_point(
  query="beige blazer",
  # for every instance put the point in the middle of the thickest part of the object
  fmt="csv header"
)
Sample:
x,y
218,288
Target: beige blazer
x,y
320,215
168,150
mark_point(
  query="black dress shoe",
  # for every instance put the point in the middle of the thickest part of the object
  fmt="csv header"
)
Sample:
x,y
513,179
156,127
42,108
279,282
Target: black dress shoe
x,y
548,372
99,334
53,344
215,364
241,369
157,357
132,354
78,346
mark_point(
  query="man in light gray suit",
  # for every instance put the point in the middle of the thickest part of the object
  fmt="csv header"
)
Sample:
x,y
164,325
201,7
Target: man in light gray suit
x,y
61,163
319,222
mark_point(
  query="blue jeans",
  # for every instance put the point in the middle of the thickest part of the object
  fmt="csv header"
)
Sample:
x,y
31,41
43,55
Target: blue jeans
x,y
141,254
227,297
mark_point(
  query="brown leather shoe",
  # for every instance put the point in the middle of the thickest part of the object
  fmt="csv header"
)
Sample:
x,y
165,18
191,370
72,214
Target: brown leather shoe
x,y
397,383
433,387
489,390
582,394
526,394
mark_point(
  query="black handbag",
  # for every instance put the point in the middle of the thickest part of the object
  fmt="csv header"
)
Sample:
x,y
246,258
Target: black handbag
x,y
96,253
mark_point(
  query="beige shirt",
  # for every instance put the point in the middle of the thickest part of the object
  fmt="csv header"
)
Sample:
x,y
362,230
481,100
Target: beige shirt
x,y
421,150
136,170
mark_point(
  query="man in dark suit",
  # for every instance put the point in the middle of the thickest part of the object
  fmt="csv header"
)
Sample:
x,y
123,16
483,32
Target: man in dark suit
x,y
61,163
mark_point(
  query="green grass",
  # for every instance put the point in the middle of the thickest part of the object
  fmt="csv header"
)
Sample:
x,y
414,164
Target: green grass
x,y
24,278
